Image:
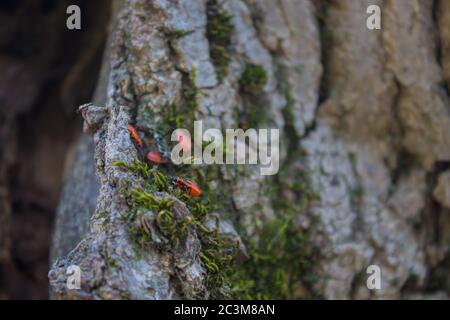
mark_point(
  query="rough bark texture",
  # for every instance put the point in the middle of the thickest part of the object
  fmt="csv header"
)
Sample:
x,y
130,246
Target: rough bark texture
x,y
365,145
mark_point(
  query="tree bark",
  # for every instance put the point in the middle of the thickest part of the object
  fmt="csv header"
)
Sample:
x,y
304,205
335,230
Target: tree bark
x,y
364,120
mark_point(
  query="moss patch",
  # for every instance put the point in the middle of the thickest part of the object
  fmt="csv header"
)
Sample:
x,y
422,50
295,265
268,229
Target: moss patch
x,y
181,115
279,260
216,254
280,264
253,78
251,84
218,30
191,92
178,33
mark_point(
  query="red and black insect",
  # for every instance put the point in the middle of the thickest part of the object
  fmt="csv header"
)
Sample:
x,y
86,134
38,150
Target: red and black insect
x,y
134,135
190,187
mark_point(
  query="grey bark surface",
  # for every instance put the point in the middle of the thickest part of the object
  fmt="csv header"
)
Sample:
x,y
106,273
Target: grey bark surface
x,y
368,120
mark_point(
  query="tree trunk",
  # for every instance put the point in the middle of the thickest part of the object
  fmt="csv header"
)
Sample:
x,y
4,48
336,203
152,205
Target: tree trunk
x,y
364,176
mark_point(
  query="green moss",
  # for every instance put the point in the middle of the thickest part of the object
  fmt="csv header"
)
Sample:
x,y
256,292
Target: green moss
x,y
219,30
303,187
217,252
277,264
254,118
178,33
191,92
219,27
141,198
107,256
221,58
171,227
139,239
289,129
251,84
284,87
155,180
102,213
135,166
253,78
175,116
281,258
278,260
